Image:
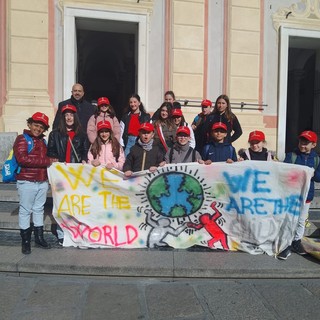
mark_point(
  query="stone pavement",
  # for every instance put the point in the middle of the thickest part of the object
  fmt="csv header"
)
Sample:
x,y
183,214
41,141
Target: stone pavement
x,y
169,263
77,298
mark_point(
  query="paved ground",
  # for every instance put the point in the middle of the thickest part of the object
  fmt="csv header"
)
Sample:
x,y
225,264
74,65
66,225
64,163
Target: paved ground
x,y
69,298
193,284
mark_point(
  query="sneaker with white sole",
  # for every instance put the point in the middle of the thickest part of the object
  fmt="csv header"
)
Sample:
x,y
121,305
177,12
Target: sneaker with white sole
x,y
284,254
298,248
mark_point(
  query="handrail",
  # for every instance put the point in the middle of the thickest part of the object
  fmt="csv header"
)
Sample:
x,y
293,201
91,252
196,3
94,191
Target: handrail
x,y
235,105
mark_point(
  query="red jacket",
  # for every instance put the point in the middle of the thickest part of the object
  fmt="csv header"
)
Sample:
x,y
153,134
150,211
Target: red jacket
x,y
34,164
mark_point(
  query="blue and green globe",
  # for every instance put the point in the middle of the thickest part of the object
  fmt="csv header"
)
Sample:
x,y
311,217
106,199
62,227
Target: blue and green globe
x,y
175,194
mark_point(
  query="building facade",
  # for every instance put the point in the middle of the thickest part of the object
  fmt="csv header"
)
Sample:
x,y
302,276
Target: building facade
x,y
264,54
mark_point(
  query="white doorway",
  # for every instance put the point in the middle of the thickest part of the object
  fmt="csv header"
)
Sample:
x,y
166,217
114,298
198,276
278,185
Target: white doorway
x,y
299,86
138,23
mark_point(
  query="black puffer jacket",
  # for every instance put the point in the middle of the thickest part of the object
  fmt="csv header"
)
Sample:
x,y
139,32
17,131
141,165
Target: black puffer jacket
x,y
57,146
84,111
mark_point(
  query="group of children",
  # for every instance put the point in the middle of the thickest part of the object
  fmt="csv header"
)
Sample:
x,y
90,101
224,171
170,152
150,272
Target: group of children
x,y
139,143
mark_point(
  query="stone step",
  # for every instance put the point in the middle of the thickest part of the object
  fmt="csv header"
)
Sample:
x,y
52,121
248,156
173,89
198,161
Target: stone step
x,y
9,212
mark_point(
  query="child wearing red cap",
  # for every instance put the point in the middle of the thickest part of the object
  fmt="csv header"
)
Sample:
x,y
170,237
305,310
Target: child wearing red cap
x,y
218,150
32,180
106,149
144,155
304,155
179,120
69,144
182,152
165,129
257,150
104,112
198,124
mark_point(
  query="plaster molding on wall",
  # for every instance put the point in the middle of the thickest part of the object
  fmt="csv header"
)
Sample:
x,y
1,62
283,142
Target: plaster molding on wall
x,y
132,5
304,13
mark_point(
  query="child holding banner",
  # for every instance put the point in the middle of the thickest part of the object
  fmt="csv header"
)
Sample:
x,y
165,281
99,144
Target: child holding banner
x,y
218,150
32,180
144,155
182,152
106,149
257,150
304,155
69,144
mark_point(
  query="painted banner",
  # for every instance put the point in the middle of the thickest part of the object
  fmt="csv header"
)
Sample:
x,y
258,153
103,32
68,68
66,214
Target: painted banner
x,y
251,206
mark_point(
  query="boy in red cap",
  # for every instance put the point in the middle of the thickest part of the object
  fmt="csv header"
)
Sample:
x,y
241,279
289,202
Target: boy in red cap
x,y
181,152
218,150
179,121
257,150
144,155
32,179
304,155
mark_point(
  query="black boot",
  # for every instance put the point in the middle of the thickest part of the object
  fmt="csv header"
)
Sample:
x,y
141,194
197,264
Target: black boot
x,y
38,238
26,238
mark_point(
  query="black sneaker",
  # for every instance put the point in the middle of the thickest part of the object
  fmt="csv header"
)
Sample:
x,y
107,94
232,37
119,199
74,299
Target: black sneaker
x,y
60,241
284,254
297,247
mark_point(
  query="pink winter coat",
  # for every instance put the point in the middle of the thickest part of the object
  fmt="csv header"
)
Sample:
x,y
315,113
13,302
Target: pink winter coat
x,y
106,156
92,126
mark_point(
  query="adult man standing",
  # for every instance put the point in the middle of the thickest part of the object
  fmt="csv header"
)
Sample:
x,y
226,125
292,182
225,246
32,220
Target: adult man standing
x,y
84,108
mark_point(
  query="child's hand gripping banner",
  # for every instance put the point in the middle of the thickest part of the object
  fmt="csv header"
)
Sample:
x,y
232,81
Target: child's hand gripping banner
x,y
251,206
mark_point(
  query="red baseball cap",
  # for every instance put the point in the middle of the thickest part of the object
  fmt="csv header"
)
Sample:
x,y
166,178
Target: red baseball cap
x,y
104,125
103,100
176,113
219,125
309,135
147,126
41,117
206,103
183,129
256,136
69,107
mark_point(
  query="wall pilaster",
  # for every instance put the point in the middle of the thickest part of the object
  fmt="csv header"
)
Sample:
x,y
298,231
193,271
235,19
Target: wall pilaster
x,y
27,63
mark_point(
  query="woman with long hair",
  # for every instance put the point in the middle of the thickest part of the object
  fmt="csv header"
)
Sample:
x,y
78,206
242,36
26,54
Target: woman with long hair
x,y
222,113
165,128
130,123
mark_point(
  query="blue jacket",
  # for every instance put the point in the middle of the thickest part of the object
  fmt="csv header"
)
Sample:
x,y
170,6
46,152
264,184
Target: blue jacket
x,y
308,160
219,152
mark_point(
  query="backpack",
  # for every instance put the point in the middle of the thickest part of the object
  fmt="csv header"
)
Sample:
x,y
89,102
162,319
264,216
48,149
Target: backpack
x,y
11,166
316,160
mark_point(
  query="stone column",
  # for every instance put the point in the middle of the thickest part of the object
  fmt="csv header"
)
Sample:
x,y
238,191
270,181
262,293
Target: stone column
x,y
27,63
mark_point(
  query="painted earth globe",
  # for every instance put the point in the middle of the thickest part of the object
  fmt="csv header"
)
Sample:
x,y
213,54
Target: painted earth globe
x,y
175,194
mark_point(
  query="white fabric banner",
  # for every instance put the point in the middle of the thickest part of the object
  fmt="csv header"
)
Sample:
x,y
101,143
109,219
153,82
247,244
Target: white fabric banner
x,y
251,206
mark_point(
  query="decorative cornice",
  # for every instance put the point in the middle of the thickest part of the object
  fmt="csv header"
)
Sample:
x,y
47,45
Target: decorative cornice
x,y
304,13
141,6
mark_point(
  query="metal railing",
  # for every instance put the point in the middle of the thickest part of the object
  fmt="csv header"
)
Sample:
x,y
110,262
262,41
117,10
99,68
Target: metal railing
x,y
235,105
